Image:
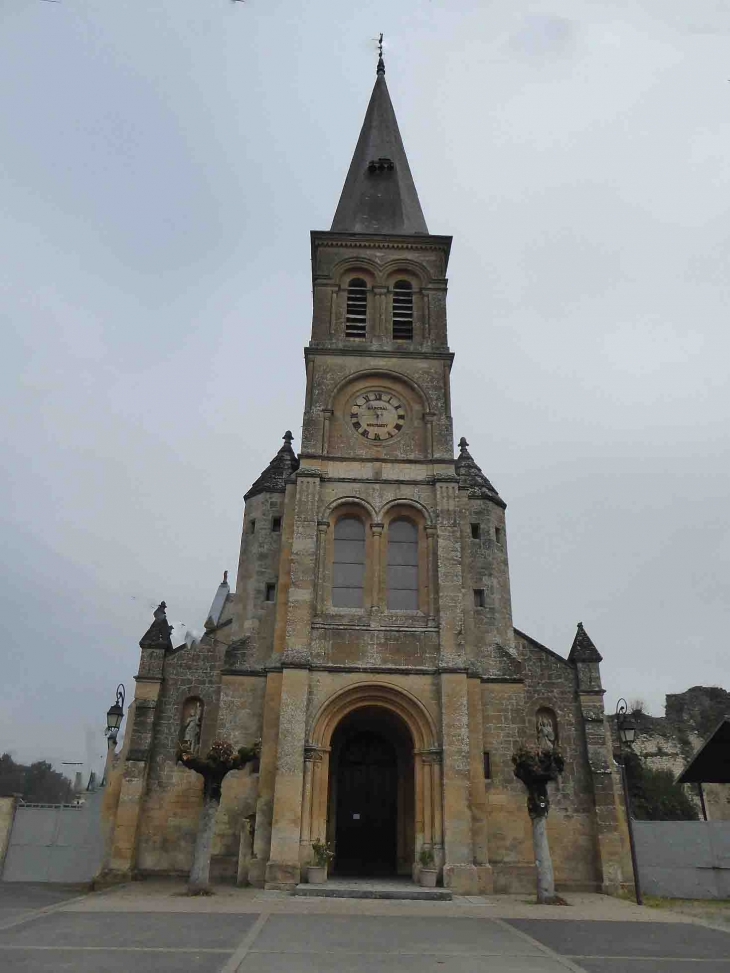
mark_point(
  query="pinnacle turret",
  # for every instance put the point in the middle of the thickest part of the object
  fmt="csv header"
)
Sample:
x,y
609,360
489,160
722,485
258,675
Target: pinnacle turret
x,y
274,477
471,477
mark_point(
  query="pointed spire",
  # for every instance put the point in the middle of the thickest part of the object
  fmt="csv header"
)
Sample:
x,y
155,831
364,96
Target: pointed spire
x,y
583,649
219,601
471,477
274,477
379,195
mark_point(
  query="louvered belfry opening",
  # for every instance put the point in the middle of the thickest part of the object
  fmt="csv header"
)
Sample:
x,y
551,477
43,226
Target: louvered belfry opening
x,y
356,318
403,311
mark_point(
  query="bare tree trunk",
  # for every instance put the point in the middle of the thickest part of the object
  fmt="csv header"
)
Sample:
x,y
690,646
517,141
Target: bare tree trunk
x,y
200,872
543,861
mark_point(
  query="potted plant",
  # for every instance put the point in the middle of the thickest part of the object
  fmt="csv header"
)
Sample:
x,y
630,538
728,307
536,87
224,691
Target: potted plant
x,y
428,874
322,854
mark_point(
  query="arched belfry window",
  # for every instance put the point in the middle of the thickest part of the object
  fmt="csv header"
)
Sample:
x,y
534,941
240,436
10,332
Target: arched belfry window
x,y
356,316
402,576
348,563
403,311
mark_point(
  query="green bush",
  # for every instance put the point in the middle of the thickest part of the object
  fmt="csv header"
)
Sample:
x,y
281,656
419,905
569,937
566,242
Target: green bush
x,y
655,795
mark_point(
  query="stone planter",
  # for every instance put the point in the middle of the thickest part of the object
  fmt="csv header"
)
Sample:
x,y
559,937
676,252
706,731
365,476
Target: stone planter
x,y
316,874
427,877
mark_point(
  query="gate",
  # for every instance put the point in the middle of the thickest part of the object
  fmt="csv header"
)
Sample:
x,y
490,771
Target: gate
x,y
55,842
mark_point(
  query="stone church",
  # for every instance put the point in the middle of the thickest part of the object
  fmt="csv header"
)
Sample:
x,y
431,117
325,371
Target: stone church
x,y
369,640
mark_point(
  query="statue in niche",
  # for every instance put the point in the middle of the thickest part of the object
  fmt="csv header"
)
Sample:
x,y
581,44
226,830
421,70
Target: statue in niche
x,y
547,735
190,735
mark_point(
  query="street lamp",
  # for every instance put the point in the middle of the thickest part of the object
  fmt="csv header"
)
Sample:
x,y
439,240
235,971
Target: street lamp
x,y
114,717
626,732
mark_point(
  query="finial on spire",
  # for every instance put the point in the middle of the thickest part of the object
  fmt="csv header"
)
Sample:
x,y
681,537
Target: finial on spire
x,y
287,437
381,62
225,577
463,445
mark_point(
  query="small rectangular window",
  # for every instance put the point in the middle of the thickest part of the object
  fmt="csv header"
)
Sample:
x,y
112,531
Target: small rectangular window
x,y
276,525
498,534
476,531
479,599
252,527
487,767
271,592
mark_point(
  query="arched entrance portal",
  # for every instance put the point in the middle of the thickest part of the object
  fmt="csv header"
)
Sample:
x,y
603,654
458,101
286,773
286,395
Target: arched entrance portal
x,y
373,752
370,806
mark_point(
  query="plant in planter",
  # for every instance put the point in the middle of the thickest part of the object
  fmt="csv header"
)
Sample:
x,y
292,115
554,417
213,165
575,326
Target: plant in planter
x,y
428,873
323,855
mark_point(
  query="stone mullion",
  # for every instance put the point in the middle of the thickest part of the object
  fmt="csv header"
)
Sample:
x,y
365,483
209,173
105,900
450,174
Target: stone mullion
x,y
381,312
376,597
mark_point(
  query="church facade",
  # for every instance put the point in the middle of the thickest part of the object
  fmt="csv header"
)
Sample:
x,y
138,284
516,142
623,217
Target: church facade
x,y
369,640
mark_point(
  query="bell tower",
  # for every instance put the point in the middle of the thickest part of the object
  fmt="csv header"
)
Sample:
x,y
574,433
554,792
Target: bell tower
x,y
378,362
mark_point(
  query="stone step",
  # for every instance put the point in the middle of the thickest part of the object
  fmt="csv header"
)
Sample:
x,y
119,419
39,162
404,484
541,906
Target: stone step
x,y
373,890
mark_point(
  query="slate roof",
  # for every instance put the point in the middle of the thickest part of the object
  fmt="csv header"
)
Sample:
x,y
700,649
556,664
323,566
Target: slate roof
x,y
379,195
471,477
711,763
274,477
583,649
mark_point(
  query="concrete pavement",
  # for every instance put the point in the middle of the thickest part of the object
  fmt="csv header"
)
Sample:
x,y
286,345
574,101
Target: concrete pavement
x,y
153,928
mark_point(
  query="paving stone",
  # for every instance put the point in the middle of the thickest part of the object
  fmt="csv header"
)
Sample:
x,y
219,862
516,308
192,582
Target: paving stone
x,y
161,930
649,940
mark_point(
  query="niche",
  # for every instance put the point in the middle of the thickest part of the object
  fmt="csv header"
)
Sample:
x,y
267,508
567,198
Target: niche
x,y
191,724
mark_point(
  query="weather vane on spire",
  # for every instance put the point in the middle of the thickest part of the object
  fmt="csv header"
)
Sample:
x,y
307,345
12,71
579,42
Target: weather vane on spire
x,y
381,62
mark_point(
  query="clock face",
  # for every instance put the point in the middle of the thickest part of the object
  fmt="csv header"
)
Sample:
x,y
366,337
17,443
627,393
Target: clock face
x,y
377,415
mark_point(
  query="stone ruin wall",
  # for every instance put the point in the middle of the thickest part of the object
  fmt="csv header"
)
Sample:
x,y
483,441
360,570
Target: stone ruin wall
x,y
669,742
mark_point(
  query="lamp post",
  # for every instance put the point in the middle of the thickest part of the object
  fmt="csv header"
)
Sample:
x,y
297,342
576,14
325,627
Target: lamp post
x,y
626,732
114,717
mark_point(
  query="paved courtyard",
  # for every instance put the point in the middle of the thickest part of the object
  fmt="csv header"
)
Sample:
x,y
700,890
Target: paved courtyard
x,y
153,927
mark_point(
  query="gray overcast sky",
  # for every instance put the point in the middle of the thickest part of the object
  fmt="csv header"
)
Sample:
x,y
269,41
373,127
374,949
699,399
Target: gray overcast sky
x,y
162,164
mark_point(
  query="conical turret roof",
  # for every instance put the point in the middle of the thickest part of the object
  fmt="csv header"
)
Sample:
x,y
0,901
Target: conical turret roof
x,y
379,195
274,477
471,477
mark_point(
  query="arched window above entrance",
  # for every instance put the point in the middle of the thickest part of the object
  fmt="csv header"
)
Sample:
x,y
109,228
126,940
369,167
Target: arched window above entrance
x,y
348,563
402,567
